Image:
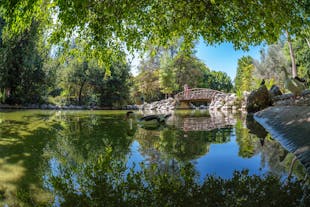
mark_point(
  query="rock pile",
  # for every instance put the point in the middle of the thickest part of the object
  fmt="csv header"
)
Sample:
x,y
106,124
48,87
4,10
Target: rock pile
x,y
163,105
288,100
224,102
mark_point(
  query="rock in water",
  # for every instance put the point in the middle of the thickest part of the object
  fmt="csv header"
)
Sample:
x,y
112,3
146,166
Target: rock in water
x,y
275,91
258,100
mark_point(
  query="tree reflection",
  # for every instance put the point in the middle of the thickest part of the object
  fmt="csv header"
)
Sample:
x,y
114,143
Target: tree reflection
x,y
105,182
245,140
78,136
253,139
174,143
32,141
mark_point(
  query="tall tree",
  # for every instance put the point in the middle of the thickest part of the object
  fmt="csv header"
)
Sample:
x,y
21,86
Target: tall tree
x,y
302,54
273,64
189,70
217,80
244,76
167,76
21,65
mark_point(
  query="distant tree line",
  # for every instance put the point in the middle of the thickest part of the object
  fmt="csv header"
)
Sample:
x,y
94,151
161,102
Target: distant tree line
x,y
274,62
169,72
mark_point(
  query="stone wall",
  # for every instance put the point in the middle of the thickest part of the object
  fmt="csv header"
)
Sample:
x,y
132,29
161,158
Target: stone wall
x,y
225,102
163,105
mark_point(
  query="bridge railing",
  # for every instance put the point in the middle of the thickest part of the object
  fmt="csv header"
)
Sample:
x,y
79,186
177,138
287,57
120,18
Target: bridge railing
x,y
196,93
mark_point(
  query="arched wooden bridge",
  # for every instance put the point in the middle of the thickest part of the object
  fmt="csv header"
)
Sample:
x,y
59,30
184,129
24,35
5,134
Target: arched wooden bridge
x,y
197,94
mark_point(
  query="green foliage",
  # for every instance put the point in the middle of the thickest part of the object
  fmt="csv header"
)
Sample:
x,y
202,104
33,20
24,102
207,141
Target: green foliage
x,y
78,79
167,76
302,54
173,72
2,96
84,82
217,80
244,78
146,85
276,61
114,90
269,83
189,70
21,66
273,64
107,24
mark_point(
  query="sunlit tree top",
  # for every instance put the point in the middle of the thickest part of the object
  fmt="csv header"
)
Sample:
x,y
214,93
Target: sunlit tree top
x,y
127,25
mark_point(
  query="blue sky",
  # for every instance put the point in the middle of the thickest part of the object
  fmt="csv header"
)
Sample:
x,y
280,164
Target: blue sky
x,y
224,57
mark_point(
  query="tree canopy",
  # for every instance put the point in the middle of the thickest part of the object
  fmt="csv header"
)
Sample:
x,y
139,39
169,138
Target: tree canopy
x,y
128,25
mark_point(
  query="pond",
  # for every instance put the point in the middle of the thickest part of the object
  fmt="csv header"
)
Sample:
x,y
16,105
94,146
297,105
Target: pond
x,y
52,158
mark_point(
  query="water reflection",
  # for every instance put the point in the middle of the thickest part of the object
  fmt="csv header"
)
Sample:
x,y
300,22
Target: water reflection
x,y
49,157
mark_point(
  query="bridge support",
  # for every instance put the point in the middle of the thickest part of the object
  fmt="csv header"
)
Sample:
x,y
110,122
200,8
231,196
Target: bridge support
x,y
183,105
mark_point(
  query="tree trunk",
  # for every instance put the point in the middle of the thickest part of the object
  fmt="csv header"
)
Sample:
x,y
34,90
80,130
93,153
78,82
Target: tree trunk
x,y
80,92
308,42
294,69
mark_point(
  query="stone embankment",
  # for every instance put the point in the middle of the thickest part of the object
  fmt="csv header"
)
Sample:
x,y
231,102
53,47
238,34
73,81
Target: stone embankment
x,y
288,121
163,105
290,126
251,102
225,102
221,102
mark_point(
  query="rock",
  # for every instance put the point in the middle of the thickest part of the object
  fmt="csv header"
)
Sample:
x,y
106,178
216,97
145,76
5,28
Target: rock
x,y
275,91
32,106
44,106
223,102
258,100
203,107
246,94
163,105
290,126
192,106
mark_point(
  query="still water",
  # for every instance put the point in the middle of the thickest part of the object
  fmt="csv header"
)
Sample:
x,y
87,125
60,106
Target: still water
x,y
43,151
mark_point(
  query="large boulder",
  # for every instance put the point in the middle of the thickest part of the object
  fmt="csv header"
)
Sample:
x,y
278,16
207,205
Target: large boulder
x,y
258,100
275,91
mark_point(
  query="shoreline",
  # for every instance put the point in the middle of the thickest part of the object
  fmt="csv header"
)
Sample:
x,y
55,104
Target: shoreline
x,y
290,125
69,107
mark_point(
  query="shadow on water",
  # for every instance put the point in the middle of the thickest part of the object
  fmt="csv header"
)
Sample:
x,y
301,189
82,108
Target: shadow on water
x,y
28,140
20,162
81,159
